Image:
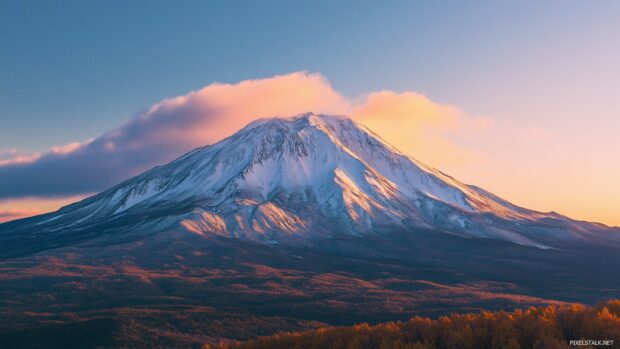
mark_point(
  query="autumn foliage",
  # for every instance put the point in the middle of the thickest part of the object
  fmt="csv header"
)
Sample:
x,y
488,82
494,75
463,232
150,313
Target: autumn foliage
x,y
543,327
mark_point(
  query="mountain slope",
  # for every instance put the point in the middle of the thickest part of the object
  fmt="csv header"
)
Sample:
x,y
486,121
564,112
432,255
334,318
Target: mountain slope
x,y
292,180
289,224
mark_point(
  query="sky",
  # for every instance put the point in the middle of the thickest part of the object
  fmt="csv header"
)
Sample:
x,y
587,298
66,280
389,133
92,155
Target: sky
x,y
517,97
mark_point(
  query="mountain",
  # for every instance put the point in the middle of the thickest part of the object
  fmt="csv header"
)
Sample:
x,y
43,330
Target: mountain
x,y
295,180
287,225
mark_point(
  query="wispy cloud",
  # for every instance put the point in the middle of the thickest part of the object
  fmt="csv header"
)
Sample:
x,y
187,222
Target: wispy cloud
x,y
17,156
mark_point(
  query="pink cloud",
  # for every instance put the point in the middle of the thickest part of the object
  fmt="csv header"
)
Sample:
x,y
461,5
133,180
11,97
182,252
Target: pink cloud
x,y
66,149
16,156
419,127
176,125
532,166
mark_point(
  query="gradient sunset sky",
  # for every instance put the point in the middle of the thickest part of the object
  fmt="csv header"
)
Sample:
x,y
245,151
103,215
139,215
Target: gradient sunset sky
x,y
520,98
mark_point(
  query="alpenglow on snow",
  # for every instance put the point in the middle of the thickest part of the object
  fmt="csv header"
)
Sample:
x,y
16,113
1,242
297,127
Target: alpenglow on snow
x,y
292,180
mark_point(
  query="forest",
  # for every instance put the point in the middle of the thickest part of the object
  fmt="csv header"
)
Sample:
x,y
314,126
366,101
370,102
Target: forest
x,y
550,327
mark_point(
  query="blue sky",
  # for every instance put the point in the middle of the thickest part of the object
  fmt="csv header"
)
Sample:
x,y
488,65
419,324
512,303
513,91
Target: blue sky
x,y
73,69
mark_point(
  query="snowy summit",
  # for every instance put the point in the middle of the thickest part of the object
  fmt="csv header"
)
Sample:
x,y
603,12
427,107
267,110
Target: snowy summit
x,y
301,178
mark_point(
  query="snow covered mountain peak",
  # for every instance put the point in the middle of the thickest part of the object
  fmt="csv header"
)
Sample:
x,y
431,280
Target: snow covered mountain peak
x,y
301,178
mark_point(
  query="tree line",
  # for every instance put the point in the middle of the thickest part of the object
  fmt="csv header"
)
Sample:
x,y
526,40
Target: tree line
x,y
550,327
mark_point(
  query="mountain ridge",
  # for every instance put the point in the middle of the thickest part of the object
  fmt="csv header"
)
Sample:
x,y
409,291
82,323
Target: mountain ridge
x,y
280,180
286,226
